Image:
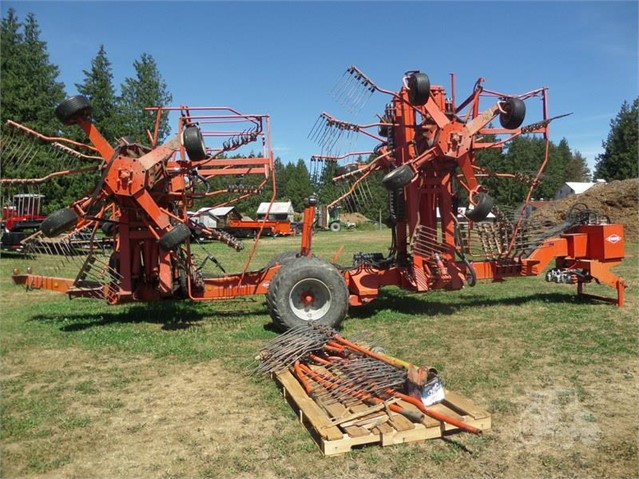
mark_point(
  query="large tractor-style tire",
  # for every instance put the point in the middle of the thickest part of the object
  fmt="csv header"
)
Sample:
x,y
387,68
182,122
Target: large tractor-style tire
x,y
73,109
194,143
418,88
175,237
282,258
335,226
307,290
515,112
484,204
59,222
398,178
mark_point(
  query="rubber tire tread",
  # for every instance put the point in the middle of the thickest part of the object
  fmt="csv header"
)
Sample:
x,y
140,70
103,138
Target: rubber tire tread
x,y
59,222
398,178
277,296
108,228
194,143
418,89
516,112
282,258
175,237
484,204
71,110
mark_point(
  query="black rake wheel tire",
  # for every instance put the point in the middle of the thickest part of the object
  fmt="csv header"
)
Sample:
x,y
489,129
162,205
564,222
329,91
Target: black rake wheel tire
x,y
194,143
282,258
175,237
484,204
307,291
418,89
109,228
398,178
59,222
514,113
73,109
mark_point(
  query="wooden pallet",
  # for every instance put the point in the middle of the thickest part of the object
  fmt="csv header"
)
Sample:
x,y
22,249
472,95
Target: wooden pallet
x,y
337,429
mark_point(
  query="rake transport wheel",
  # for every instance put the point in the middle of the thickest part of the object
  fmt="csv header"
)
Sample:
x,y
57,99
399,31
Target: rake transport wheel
x,y
418,88
282,258
194,143
73,109
307,290
174,237
515,112
58,222
398,178
484,204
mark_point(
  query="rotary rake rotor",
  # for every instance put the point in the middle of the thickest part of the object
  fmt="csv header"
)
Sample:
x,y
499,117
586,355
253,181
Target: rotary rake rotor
x,y
426,146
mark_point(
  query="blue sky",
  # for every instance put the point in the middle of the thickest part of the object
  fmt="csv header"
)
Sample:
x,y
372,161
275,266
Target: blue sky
x,y
283,58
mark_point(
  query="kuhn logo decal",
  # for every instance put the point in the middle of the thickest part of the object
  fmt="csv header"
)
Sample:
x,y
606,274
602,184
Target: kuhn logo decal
x,y
614,239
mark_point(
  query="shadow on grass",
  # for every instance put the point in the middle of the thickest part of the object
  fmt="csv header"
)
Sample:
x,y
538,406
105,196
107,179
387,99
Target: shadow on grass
x,y
172,315
429,305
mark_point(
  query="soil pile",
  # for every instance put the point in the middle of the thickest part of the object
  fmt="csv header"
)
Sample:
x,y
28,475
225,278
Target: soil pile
x,y
356,218
618,200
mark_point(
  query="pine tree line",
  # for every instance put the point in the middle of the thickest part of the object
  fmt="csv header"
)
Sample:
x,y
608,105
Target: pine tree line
x,y
31,91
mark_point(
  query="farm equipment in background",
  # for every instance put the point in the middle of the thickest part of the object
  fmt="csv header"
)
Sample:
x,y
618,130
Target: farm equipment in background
x,y
250,228
328,218
21,217
427,147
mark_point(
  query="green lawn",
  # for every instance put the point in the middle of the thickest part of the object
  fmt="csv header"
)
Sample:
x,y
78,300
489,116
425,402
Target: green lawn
x,y
164,390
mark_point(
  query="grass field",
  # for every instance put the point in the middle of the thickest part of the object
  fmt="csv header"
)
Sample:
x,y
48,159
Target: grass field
x,y
163,389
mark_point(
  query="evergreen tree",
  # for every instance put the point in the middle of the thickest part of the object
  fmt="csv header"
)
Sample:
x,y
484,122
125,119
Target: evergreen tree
x,y
11,43
298,184
577,169
98,88
30,93
556,172
619,161
146,89
30,90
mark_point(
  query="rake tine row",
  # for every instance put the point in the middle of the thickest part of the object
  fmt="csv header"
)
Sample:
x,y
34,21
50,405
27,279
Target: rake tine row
x,y
353,90
19,149
328,133
290,347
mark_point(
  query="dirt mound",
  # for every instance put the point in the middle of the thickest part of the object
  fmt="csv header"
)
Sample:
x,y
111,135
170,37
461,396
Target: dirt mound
x,y
618,200
356,218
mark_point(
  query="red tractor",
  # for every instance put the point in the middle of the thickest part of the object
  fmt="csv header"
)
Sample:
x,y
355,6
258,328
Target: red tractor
x,y
20,218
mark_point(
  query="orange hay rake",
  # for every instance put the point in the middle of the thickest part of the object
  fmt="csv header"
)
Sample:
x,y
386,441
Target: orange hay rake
x,y
427,148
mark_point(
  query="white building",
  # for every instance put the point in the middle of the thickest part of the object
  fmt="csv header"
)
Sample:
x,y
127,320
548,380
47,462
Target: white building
x,y
280,211
214,217
574,188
